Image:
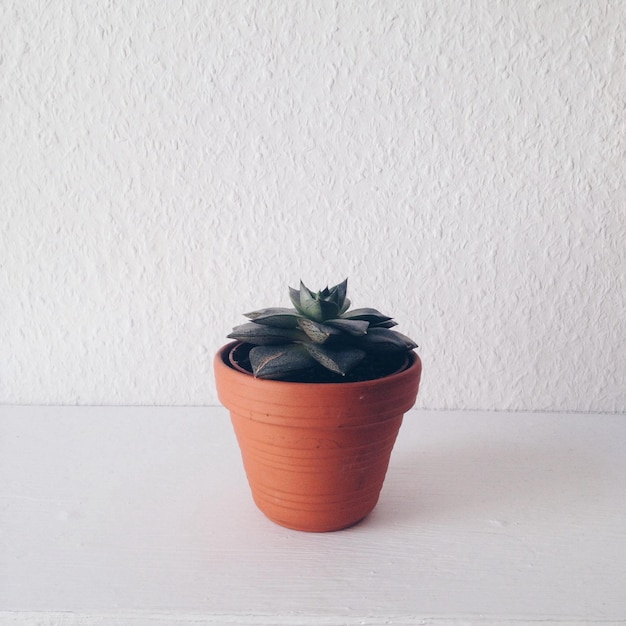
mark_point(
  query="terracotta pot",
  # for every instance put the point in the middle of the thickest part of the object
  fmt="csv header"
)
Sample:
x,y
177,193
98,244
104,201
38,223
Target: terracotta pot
x,y
316,454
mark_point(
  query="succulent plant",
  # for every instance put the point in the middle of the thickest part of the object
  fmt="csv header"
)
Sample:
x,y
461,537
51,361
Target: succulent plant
x,y
319,331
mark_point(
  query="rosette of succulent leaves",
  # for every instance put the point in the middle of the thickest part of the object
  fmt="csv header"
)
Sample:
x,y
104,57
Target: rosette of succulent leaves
x,y
318,330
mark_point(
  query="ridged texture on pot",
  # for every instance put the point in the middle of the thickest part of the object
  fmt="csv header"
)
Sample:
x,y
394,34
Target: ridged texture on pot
x,y
316,455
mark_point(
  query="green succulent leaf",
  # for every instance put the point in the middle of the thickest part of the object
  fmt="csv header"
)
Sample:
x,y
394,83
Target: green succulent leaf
x,y
309,305
278,317
294,296
345,307
355,328
329,309
373,316
338,361
261,335
323,305
316,331
383,339
332,300
276,362
387,324
341,291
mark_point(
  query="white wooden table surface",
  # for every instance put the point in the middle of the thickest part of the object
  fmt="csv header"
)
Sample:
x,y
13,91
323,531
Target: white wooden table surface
x,y
142,517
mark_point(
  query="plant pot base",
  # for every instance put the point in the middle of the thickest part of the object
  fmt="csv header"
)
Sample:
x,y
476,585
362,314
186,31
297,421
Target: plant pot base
x,y
309,528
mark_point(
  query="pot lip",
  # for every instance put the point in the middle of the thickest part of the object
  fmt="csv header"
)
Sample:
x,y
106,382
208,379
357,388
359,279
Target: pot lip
x,y
222,360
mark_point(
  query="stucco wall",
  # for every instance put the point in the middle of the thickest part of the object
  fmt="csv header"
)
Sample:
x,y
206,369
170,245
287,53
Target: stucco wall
x,y
165,166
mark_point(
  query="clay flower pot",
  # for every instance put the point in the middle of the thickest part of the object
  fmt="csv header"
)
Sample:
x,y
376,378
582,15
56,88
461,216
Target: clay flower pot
x,y
316,454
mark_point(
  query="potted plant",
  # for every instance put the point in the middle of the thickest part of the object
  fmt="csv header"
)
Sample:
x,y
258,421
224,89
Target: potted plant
x,y
317,394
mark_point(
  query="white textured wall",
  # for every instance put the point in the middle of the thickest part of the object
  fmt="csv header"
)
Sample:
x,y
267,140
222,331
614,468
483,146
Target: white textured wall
x,y
165,166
